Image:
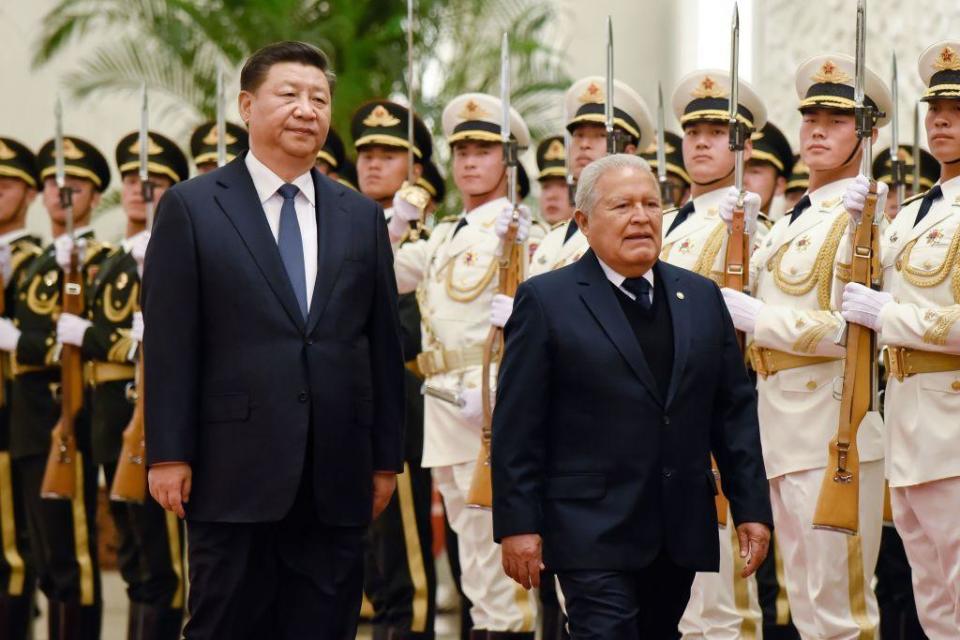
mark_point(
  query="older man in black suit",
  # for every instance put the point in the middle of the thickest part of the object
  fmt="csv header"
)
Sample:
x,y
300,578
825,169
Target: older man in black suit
x,y
621,376
274,399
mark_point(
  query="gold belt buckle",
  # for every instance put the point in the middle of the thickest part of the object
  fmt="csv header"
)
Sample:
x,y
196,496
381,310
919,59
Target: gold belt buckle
x,y
432,362
897,368
759,364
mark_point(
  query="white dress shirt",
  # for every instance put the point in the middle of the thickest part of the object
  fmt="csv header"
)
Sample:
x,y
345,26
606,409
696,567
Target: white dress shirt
x,y
266,183
617,280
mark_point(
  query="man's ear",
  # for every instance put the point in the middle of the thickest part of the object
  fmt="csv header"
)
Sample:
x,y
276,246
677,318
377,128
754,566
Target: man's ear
x,y
874,135
245,105
747,149
417,170
630,148
583,222
781,187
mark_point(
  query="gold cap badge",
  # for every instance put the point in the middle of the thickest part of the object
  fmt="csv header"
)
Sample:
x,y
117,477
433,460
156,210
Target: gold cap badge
x,y
830,73
70,150
6,153
555,151
152,147
708,88
380,117
212,137
947,60
593,94
472,111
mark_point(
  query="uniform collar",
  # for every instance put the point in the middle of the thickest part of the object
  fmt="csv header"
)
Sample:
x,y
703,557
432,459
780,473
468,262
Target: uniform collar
x,y
127,243
829,194
12,236
79,232
951,189
708,204
486,210
266,182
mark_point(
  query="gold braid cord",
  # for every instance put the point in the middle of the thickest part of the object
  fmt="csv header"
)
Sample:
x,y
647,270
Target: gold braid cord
x,y
821,275
471,292
711,249
945,319
928,278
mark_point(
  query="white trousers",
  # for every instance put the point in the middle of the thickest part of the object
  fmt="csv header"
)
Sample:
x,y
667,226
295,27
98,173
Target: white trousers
x,y
928,519
829,573
499,603
723,606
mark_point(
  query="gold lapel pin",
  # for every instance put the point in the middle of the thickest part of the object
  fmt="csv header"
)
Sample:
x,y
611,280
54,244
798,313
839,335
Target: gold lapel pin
x,y
680,295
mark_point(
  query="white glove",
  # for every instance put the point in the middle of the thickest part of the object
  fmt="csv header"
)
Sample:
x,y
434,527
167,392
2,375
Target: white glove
x,y
70,329
63,247
9,335
506,216
6,263
472,409
743,309
138,249
136,331
855,197
500,310
751,209
862,305
404,212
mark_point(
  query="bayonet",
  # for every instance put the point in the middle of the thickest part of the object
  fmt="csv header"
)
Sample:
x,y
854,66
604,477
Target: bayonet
x,y
221,122
614,144
916,148
666,194
448,396
510,150
897,173
738,129
567,164
66,194
146,186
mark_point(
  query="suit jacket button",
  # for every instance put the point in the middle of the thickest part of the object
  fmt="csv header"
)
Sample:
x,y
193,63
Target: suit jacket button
x,y
667,473
666,419
309,341
303,396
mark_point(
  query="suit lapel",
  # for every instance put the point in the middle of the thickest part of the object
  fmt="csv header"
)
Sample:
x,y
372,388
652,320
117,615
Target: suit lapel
x,y
239,201
680,318
333,238
602,303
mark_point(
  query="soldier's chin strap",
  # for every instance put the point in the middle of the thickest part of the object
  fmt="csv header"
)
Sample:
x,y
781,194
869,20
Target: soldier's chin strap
x,y
720,179
952,161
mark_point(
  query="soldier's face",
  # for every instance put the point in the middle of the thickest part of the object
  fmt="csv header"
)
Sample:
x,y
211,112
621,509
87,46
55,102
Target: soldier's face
x,y
706,154
382,170
478,167
943,129
131,195
326,169
791,198
15,196
762,178
206,167
623,228
555,200
85,198
588,143
827,139
289,113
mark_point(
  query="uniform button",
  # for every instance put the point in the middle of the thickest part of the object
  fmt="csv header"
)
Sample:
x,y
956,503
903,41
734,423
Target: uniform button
x,y
666,419
668,473
303,396
309,341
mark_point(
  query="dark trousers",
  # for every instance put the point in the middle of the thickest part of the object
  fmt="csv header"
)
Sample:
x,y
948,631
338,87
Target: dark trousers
x,y
295,579
554,623
18,579
400,578
64,546
620,605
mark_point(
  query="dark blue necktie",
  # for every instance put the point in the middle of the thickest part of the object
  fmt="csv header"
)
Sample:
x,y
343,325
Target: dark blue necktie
x,y
640,287
682,215
571,229
927,201
460,225
802,205
291,245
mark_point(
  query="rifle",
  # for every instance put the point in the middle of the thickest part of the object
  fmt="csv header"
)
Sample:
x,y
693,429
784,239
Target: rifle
x,y
666,193
839,499
130,479
60,475
510,264
897,166
916,149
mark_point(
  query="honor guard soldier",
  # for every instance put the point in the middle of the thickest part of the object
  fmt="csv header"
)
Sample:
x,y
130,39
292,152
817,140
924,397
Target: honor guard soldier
x,y
455,273
722,605
555,207
677,176
62,533
794,319
19,183
929,174
797,183
150,551
915,317
584,106
332,156
203,144
400,577
766,173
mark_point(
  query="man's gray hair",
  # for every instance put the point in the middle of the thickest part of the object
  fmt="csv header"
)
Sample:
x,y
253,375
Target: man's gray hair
x,y
587,196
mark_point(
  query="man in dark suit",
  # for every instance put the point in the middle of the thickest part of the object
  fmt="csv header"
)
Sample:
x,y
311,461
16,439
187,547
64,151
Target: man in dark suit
x,y
621,375
274,397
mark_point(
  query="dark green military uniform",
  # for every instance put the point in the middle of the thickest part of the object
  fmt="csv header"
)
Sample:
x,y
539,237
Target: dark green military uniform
x,y
62,533
400,578
18,579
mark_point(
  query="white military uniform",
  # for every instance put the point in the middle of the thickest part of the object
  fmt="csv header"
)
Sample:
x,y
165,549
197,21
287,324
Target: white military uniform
x,y
557,251
455,276
722,605
828,574
920,270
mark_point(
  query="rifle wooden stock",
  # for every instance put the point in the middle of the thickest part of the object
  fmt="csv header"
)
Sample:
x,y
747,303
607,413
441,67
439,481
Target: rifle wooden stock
x,y
736,276
480,495
838,506
60,475
130,480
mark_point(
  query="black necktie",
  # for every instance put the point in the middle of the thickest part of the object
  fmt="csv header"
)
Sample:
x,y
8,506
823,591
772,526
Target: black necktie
x,y
802,205
571,229
927,201
460,225
640,287
682,215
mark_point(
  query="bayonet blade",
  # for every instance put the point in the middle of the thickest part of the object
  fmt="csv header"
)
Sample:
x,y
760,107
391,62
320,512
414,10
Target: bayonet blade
x,y
142,139
916,148
895,116
734,64
221,122
61,172
608,99
410,106
661,138
505,88
861,54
